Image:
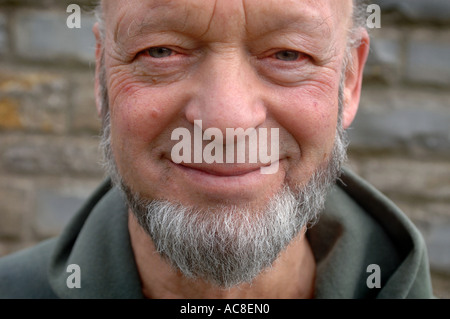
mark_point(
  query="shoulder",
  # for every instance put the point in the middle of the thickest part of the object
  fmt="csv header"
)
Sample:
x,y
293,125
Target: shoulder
x,y
23,275
409,276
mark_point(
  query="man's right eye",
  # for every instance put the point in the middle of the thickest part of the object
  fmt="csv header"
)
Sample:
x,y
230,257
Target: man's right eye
x,y
159,52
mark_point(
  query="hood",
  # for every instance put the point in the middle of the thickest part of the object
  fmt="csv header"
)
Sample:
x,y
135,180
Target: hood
x,y
97,240
359,227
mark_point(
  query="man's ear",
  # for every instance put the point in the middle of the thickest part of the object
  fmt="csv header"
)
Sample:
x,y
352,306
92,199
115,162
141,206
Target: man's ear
x,y
353,79
98,67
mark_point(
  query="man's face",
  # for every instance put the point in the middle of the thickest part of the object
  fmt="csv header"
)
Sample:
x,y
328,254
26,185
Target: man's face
x,y
230,64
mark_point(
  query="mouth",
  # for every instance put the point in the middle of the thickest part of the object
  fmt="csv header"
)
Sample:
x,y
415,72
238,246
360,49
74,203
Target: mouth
x,y
222,170
224,179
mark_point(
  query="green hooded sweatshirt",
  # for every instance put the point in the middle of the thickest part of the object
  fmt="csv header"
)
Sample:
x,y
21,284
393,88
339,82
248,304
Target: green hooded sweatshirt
x,y
364,247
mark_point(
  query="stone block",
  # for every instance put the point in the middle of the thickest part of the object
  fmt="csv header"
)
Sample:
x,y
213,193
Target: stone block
x,y
4,249
17,80
47,113
428,57
15,201
409,178
441,285
4,44
384,60
418,11
33,100
423,209
438,244
84,116
54,155
43,35
10,118
436,233
399,120
11,222
402,129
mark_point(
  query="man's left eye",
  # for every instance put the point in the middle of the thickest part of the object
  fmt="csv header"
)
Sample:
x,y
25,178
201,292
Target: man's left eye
x,y
287,55
160,52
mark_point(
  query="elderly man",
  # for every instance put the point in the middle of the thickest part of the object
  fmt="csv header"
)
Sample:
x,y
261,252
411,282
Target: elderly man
x,y
190,220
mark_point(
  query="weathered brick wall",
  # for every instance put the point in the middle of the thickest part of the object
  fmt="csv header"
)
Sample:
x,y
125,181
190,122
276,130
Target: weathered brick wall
x,y
49,127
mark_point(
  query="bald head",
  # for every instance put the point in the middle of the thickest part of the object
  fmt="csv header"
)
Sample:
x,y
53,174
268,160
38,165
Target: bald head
x,y
165,66
125,19
357,11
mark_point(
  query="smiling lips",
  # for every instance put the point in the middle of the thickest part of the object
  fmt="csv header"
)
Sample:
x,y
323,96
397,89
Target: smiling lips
x,y
225,170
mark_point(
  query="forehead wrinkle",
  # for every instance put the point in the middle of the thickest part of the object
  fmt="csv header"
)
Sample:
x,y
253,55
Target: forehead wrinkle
x,y
314,19
139,24
193,18
208,27
182,17
227,21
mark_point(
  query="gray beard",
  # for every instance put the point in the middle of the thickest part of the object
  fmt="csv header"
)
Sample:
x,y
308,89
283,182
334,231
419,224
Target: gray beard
x,y
229,245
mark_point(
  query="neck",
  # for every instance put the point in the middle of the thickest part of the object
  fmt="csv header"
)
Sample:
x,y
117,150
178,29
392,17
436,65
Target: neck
x,y
291,276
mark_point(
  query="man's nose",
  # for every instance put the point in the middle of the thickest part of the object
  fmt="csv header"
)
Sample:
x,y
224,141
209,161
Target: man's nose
x,y
227,94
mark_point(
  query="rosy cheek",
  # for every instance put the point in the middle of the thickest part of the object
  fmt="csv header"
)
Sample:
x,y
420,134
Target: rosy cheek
x,y
307,118
142,114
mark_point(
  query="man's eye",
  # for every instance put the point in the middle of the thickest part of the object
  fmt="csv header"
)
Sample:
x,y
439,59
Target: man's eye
x,y
287,55
159,52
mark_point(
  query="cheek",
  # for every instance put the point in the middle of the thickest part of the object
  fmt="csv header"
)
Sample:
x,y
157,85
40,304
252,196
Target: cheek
x,y
310,116
143,112
139,116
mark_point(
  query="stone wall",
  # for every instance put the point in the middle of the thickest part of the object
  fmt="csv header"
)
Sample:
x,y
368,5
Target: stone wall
x,y
49,128
400,140
48,123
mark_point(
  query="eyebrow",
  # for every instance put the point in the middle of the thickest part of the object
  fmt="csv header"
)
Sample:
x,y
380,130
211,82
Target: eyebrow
x,y
316,27
154,23
305,21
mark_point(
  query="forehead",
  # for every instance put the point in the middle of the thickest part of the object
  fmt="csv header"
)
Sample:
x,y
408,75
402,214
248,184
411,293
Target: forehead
x,y
226,18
